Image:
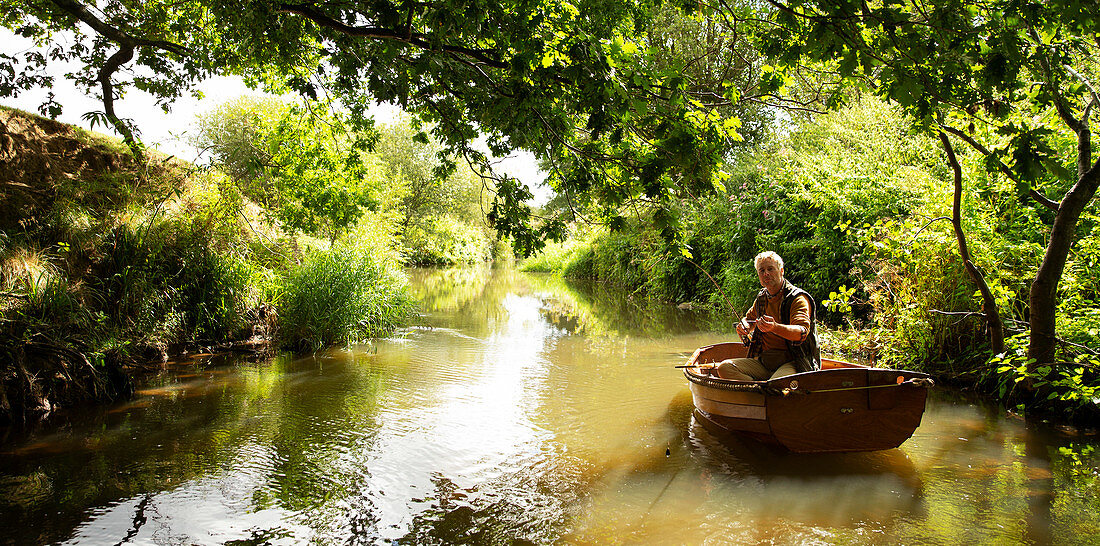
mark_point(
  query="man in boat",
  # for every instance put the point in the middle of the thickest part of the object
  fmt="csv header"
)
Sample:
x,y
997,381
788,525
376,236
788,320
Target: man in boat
x,y
785,340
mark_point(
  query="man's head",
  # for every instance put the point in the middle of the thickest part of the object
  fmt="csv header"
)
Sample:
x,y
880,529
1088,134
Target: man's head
x,y
769,269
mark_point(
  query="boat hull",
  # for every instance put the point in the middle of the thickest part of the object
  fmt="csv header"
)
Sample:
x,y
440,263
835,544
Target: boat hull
x,y
842,407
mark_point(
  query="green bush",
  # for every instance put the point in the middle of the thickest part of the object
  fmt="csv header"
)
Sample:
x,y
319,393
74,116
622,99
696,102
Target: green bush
x,y
812,200
1070,388
1079,305
306,163
171,285
340,296
908,276
557,257
446,242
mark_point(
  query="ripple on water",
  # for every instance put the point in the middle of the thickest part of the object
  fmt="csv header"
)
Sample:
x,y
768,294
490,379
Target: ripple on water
x,y
212,510
525,506
510,430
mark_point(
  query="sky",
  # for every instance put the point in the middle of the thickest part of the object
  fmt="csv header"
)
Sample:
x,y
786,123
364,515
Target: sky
x,y
170,132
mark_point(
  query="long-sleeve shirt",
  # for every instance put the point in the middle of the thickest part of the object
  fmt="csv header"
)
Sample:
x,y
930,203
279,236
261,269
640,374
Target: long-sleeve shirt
x,y
800,316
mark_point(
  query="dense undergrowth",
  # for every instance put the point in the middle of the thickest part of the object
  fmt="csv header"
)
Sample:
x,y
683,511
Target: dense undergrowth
x,y
107,264
858,206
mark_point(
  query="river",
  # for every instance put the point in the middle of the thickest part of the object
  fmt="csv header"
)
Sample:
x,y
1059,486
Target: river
x,y
519,409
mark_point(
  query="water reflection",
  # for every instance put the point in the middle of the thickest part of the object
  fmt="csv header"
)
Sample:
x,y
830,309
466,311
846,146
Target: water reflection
x,y
573,307
520,409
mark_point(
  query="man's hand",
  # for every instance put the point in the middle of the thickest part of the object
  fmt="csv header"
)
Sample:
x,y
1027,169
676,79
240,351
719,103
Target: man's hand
x,y
785,331
744,325
766,323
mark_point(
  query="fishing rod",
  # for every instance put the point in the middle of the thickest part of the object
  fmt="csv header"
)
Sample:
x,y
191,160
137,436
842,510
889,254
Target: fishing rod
x,y
723,294
714,282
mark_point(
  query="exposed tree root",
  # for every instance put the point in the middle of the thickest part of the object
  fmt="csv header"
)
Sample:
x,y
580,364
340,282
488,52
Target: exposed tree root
x,y
39,376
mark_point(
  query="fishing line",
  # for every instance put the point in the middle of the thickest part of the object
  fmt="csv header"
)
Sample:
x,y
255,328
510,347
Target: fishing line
x,y
724,297
714,282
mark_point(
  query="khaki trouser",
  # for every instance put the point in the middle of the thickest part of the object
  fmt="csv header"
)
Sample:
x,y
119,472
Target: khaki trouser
x,y
769,365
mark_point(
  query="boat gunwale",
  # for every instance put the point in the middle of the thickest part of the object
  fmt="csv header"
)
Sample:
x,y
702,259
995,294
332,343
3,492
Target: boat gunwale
x,y
762,386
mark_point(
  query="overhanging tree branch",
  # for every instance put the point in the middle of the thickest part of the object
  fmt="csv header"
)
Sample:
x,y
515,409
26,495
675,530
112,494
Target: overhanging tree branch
x,y
84,15
404,35
127,46
1038,197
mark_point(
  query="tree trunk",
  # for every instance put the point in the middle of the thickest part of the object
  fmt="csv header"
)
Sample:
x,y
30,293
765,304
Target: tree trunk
x,y
1044,289
994,325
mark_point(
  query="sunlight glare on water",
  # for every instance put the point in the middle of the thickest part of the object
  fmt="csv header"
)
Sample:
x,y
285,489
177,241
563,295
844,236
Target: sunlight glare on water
x,y
471,422
518,409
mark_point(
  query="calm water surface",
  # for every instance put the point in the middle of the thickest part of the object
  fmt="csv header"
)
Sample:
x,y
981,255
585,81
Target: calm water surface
x,y
521,410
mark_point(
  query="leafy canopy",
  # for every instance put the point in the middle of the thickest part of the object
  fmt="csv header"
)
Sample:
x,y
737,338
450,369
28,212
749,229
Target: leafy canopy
x,y
568,80
970,68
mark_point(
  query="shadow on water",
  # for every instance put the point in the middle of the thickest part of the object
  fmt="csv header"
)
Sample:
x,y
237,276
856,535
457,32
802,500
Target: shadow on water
x,y
821,488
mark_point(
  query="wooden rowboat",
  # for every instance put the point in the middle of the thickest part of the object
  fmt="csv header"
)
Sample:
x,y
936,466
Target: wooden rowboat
x,y
841,407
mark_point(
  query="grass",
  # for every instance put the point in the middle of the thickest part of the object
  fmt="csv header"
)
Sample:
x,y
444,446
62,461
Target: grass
x,y
557,257
340,296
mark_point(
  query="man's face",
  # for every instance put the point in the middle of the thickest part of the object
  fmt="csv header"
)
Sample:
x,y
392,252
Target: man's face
x,y
770,274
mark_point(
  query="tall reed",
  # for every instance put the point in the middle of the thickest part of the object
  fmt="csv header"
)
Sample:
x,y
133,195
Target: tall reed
x,y
340,296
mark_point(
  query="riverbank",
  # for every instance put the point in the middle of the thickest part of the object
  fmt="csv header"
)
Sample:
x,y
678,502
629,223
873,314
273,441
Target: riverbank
x,y
951,350
107,264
